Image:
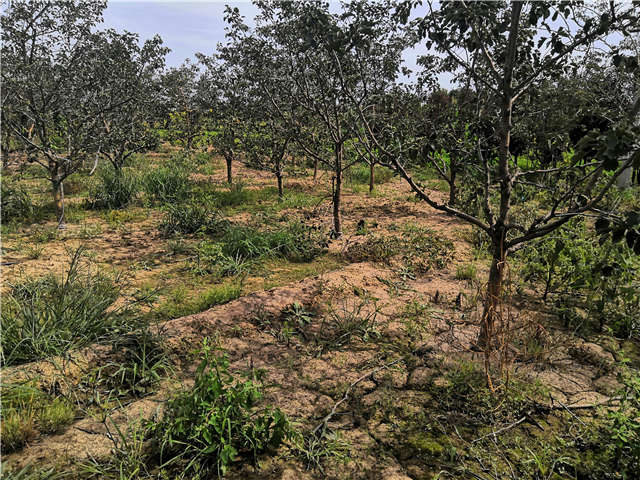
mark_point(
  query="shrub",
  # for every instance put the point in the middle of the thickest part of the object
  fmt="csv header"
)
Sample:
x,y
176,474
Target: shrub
x,y
218,420
16,202
192,218
167,184
113,189
584,276
50,315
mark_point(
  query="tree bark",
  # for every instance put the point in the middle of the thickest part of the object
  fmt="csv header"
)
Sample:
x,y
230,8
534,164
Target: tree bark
x,y
453,191
315,170
280,187
337,190
58,200
372,169
229,159
493,297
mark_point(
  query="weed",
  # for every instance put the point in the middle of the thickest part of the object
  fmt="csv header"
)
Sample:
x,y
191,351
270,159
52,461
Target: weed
x,y
192,217
16,202
177,305
44,234
467,271
33,251
315,449
140,362
27,411
166,185
419,249
210,425
50,315
53,417
113,189
348,319
178,246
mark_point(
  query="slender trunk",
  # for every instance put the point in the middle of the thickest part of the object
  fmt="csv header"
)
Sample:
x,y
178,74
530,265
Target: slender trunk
x,y
372,169
280,187
452,187
229,158
278,165
58,200
315,170
494,295
337,190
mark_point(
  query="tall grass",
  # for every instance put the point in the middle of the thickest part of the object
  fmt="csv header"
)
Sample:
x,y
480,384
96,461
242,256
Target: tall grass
x,y
51,315
113,189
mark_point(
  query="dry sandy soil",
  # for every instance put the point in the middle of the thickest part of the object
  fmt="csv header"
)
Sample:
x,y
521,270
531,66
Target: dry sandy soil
x,y
426,326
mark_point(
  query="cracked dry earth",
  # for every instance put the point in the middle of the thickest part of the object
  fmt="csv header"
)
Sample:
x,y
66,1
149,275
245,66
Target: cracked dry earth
x,y
306,377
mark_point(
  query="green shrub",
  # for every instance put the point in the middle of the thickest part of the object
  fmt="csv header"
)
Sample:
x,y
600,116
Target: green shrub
x,y
167,184
192,217
582,275
50,315
217,420
113,189
16,202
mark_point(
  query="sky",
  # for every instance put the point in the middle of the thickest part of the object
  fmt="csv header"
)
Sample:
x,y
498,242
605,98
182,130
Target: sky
x,y
187,27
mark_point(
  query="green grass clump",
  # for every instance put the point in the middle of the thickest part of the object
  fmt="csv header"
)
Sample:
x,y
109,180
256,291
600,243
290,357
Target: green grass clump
x,y
113,189
16,202
167,185
51,315
417,248
27,412
359,174
178,305
190,218
218,420
467,271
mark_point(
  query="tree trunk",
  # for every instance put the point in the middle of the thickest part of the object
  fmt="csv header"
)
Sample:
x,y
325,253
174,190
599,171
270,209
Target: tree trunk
x,y
453,191
58,200
229,159
372,169
337,191
280,187
315,170
494,295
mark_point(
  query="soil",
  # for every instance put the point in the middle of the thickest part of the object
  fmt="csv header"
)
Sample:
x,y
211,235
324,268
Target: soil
x,y
306,378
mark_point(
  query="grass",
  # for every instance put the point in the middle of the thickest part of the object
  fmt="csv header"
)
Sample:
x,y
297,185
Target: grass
x,y
419,249
177,304
51,315
468,271
28,412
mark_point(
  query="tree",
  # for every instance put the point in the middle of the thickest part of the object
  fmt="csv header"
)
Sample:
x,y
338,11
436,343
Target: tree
x,y
50,73
131,72
182,104
518,44
314,58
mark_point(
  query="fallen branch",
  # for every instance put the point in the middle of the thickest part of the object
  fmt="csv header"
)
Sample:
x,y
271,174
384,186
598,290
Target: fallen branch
x,y
323,425
503,429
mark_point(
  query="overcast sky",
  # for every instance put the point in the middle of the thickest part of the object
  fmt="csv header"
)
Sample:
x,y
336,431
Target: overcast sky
x,y
186,27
